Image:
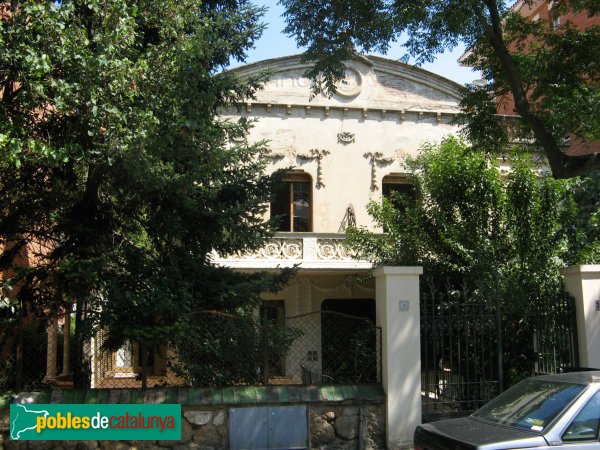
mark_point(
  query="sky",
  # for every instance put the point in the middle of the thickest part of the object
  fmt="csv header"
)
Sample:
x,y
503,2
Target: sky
x,y
274,43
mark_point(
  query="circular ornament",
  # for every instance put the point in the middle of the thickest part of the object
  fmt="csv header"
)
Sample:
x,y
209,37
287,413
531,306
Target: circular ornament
x,y
350,85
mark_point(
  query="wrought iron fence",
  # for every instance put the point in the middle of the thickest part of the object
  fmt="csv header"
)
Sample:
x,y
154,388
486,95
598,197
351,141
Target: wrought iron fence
x,y
461,344
555,336
466,346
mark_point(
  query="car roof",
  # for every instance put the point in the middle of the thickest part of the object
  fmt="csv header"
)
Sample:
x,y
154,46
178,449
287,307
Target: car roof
x,y
585,377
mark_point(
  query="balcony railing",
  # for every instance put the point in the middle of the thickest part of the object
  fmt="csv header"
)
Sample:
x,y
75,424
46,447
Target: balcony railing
x,y
310,250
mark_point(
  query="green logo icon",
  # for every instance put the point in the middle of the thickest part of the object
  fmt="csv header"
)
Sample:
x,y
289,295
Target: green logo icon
x,y
95,422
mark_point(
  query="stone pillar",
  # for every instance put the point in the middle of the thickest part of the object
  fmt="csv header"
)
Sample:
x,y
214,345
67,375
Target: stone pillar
x,y
67,344
583,283
51,350
398,315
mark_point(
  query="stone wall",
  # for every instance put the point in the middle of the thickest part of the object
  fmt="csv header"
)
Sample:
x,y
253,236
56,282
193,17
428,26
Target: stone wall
x,y
350,421
347,427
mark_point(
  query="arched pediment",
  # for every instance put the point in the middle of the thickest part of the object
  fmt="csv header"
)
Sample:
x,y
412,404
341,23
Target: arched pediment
x,y
371,82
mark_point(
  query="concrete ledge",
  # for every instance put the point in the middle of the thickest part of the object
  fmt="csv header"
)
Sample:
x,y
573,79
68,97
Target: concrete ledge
x,y
398,270
586,268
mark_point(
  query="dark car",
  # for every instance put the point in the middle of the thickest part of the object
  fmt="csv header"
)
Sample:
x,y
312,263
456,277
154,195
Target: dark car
x,y
541,412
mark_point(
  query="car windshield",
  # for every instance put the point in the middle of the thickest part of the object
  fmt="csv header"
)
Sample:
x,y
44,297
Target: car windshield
x,y
530,405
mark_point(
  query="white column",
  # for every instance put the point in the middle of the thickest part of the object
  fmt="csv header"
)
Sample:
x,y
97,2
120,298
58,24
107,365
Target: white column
x,y
583,283
398,315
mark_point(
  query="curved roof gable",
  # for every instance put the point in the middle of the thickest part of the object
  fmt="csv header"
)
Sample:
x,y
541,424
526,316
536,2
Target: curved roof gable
x,y
371,82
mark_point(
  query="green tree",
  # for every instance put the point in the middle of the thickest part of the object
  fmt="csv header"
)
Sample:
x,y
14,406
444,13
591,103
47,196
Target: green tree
x,y
469,220
117,173
503,237
585,239
551,74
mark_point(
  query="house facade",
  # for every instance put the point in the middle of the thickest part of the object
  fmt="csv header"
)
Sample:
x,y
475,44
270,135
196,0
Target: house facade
x,y
340,153
337,154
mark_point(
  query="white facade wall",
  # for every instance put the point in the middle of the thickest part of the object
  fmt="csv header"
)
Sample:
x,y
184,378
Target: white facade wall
x,y
346,173
383,108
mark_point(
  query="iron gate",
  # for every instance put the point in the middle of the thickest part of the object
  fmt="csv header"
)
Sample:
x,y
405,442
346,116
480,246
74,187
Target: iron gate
x,y
459,355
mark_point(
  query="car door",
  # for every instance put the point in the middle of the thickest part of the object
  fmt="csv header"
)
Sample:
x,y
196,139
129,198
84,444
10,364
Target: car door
x,y
583,431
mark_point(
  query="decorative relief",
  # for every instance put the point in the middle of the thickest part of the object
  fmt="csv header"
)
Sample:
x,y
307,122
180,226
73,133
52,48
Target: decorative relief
x,y
400,155
273,157
237,138
349,219
376,160
277,249
290,153
350,85
316,155
407,89
346,137
334,249
282,249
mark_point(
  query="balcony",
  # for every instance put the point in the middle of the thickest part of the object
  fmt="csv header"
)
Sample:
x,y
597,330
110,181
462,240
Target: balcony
x,y
311,251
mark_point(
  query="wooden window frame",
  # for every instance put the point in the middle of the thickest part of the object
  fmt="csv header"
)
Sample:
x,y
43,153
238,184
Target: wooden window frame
x,y
298,177
397,179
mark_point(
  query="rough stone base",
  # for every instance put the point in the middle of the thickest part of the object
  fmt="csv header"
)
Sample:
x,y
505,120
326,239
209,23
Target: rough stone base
x,y
335,427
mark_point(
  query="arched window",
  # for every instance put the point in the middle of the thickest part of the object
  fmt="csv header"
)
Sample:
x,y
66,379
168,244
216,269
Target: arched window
x,y
291,204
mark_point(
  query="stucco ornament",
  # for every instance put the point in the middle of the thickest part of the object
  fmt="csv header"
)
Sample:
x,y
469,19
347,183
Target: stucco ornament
x,y
275,249
316,155
237,138
273,157
282,249
333,249
350,85
345,137
376,159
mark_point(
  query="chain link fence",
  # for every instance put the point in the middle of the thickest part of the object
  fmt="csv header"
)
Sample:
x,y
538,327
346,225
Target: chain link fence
x,y
334,348
218,349
24,364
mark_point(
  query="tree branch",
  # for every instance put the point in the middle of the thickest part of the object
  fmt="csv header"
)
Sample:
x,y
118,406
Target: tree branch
x,y
562,166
